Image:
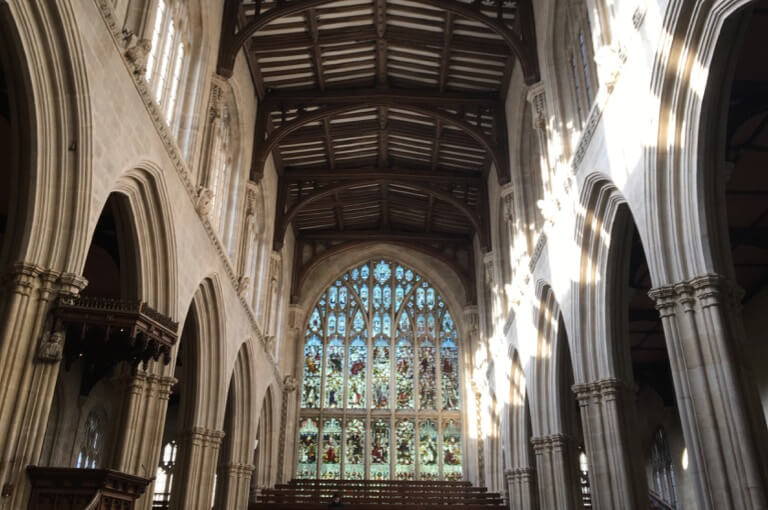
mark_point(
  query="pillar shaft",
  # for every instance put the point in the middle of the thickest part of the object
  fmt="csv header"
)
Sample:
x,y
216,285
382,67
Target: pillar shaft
x,y
616,474
30,354
233,486
522,488
556,463
139,427
195,469
719,409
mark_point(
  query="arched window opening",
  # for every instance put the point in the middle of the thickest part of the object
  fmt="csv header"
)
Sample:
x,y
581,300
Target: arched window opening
x,y
166,59
586,490
92,442
576,46
219,178
381,395
662,476
164,476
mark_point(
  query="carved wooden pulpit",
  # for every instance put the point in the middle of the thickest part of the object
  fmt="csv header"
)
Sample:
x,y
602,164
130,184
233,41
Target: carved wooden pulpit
x,y
83,489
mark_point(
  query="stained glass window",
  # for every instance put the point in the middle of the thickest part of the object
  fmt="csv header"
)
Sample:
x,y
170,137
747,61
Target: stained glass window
x,y
452,450
307,454
354,450
405,466
381,392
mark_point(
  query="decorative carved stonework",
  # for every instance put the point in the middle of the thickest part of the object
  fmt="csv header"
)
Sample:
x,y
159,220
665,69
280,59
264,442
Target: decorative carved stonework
x,y
204,201
137,55
243,283
290,384
51,347
490,268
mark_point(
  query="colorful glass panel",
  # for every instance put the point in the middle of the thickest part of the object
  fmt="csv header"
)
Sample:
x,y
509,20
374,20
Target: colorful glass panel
x,y
405,456
358,355
330,462
334,374
380,450
354,450
449,366
380,322
452,454
404,379
427,381
381,374
307,454
429,466
313,360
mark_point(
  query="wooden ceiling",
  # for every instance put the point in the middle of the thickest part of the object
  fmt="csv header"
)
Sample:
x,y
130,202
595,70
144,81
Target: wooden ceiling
x,y
383,117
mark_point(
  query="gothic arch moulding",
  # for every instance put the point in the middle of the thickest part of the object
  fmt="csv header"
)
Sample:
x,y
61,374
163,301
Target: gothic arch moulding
x,y
151,217
48,61
207,357
687,77
316,278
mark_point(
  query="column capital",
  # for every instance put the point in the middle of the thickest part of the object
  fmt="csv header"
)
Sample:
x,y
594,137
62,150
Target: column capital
x,y
204,436
707,290
550,442
601,389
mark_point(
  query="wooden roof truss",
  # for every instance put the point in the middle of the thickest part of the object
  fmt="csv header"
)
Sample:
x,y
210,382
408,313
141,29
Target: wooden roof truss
x,y
383,116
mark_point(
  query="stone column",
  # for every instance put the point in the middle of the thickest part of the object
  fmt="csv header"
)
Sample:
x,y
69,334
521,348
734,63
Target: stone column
x,y
195,469
556,464
616,473
30,352
139,427
289,389
521,484
723,425
234,485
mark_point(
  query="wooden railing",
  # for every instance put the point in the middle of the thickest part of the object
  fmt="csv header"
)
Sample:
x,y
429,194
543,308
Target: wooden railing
x,y
56,488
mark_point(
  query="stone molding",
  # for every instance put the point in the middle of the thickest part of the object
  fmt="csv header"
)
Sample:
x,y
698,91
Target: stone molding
x,y
551,442
174,154
604,389
707,290
238,469
519,473
200,436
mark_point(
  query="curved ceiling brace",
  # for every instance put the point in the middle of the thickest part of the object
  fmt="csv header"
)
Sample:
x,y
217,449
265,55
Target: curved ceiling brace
x,y
465,273
262,147
283,219
522,44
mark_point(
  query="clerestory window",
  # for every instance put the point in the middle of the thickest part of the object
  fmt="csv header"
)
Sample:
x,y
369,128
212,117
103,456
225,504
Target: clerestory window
x,y
166,60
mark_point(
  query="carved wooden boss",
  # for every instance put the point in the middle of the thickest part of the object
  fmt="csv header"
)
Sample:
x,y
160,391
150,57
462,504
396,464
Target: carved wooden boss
x,y
383,118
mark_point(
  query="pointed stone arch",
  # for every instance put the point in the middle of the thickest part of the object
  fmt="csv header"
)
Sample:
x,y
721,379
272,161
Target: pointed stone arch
x,y
235,463
152,220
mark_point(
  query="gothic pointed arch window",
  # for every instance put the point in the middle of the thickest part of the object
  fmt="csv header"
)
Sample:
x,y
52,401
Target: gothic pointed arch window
x,y
381,391
92,440
167,59
164,475
662,481
577,51
219,176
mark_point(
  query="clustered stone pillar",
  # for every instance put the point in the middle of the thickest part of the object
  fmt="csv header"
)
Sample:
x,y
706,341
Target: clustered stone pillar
x,y
235,485
556,469
195,469
719,409
140,425
616,473
522,488
30,355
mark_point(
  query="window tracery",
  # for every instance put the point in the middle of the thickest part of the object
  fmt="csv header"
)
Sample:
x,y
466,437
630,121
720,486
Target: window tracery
x,y
166,61
578,51
381,392
164,475
662,476
89,455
